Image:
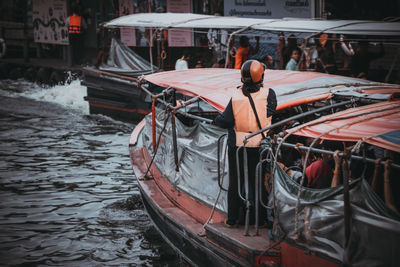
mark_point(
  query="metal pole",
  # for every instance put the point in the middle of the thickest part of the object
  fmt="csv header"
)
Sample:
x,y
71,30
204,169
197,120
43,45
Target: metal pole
x,y
188,115
246,190
298,116
174,142
174,139
218,162
346,209
257,193
393,165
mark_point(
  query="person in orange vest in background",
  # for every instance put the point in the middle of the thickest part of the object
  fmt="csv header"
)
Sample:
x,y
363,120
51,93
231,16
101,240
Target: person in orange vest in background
x,y
240,120
76,27
244,50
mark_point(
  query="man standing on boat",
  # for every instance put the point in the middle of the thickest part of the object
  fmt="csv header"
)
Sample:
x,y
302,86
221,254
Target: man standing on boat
x,y
240,120
76,25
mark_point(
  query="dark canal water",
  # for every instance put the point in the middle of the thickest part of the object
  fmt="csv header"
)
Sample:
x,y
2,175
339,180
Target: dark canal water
x,y
68,196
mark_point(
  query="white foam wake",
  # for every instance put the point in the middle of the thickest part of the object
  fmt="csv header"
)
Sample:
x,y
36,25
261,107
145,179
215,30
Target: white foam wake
x,y
69,96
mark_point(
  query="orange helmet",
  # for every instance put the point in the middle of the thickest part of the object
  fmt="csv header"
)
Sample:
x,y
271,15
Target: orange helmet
x,y
252,72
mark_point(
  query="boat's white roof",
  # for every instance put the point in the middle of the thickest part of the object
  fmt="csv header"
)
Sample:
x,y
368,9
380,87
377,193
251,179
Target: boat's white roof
x,y
189,20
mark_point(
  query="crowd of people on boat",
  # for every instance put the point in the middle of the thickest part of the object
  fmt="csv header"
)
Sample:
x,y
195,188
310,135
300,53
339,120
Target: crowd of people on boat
x,y
324,170
327,53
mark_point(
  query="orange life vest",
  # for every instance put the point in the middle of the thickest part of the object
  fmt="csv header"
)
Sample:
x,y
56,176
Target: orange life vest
x,y
241,57
75,24
245,120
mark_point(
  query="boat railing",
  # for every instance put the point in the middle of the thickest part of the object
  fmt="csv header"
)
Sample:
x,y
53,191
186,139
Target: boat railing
x,y
346,197
245,198
219,160
174,107
170,106
267,156
299,116
340,154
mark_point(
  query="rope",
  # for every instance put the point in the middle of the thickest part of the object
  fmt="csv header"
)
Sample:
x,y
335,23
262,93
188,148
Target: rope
x,y
219,192
158,143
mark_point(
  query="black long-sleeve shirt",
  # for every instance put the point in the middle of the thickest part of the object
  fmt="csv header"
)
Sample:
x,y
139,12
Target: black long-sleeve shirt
x,y
226,119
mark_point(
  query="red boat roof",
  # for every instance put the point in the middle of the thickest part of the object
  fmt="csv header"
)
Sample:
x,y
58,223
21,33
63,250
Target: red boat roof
x,y
216,85
377,124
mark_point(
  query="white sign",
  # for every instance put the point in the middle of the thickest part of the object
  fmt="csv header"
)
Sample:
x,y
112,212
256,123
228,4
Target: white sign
x,y
179,37
268,9
49,21
128,35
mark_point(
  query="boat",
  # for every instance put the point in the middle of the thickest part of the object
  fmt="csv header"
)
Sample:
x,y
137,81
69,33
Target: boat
x,y
179,160
349,222
112,88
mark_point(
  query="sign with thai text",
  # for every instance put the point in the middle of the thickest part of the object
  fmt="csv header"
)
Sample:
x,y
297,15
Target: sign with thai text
x,y
128,35
179,37
49,21
269,9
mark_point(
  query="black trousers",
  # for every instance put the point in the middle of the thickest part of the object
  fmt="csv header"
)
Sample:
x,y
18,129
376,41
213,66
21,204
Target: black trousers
x,y
76,43
236,207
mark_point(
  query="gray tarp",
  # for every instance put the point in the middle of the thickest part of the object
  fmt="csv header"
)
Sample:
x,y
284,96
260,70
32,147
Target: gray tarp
x,y
197,154
375,229
123,60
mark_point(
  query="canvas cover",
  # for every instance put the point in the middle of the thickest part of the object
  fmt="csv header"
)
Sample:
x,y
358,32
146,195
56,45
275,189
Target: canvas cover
x,y
199,21
375,229
216,86
124,61
379,126
197,155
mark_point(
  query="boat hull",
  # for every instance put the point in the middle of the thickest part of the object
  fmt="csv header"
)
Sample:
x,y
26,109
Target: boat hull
x,y
116,96
186,243
196,244
183,225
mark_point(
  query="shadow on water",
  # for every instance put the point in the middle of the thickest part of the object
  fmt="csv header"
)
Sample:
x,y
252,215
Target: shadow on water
x,y
68,196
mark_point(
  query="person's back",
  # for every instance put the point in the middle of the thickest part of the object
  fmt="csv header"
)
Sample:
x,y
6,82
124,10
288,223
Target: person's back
x,y
182,63
244,50
319,174
239,118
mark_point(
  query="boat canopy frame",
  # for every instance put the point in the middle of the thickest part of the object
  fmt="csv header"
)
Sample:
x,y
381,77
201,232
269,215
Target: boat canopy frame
x,y
312,27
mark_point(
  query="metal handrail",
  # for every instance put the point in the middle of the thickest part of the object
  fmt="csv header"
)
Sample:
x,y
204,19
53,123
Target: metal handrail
x,y
246,185
218,162
355,157
171,107
295,117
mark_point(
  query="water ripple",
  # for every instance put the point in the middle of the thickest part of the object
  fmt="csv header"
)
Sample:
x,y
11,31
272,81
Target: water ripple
x,y
68,196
